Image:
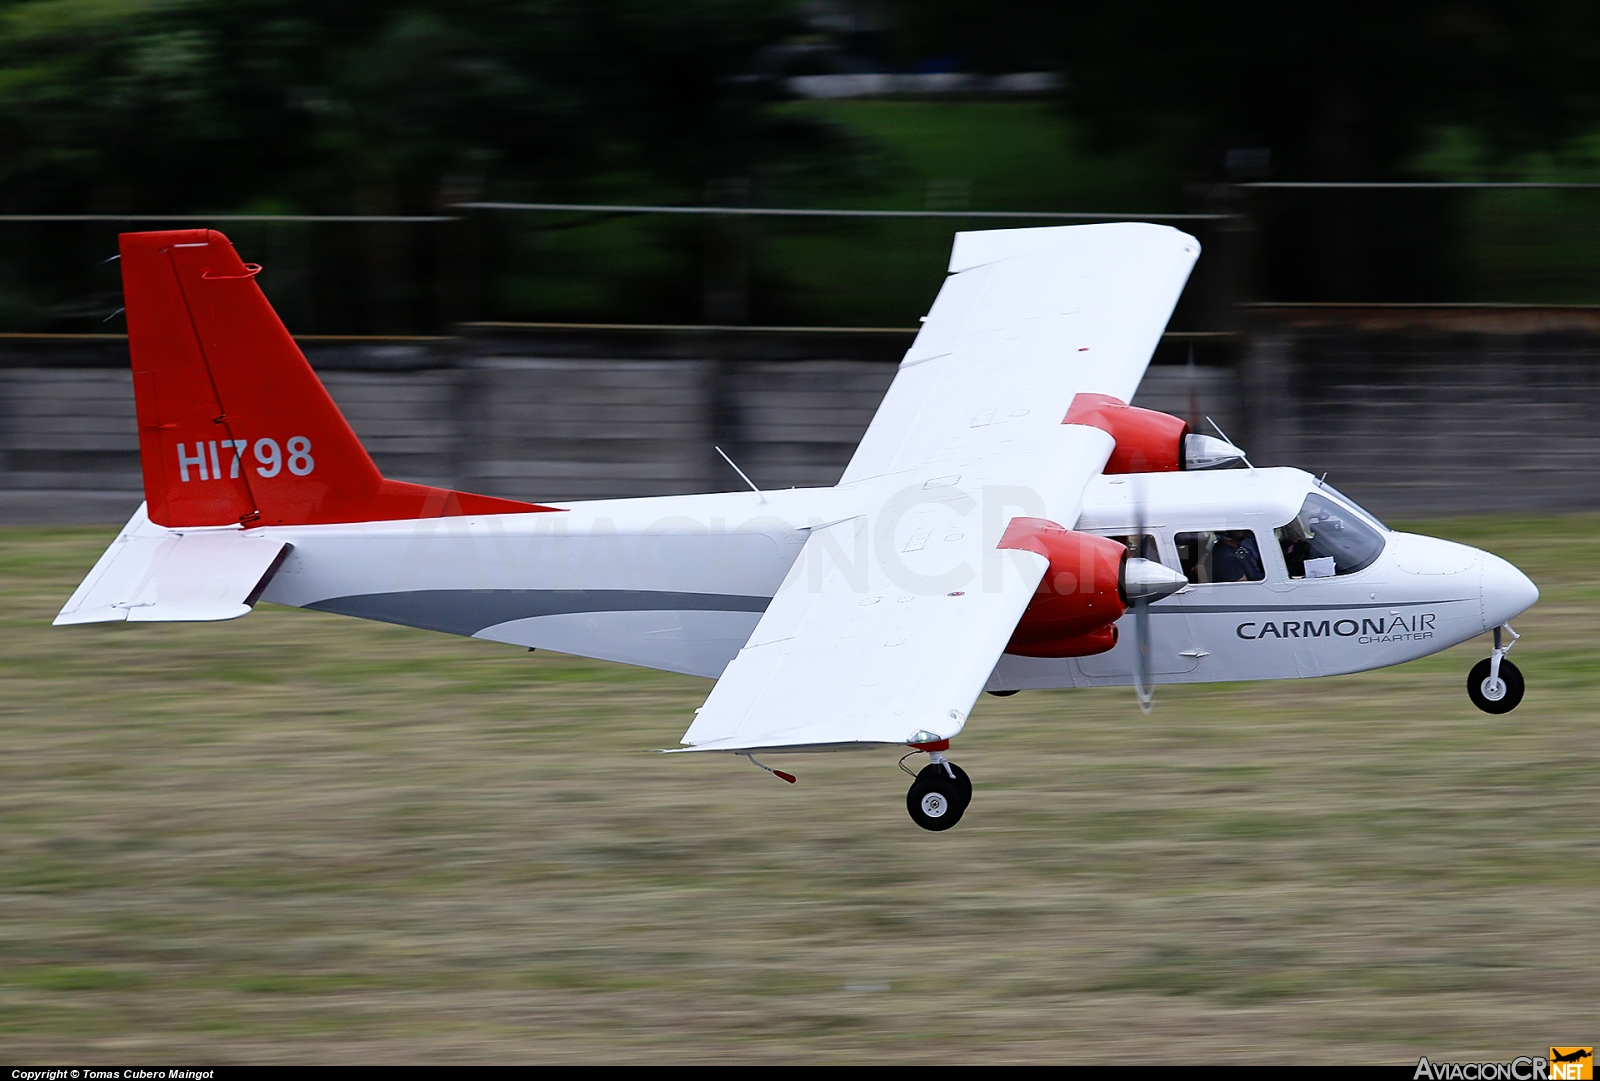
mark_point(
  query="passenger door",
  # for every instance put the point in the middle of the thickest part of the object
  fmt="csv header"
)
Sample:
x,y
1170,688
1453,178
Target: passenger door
x,y
1241,613
1172,641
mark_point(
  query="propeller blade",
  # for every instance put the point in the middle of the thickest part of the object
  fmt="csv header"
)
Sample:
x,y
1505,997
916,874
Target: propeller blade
x,y
1145,581
1144,691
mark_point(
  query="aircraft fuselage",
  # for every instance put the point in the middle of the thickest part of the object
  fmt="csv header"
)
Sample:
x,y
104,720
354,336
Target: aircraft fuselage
x,y
679,582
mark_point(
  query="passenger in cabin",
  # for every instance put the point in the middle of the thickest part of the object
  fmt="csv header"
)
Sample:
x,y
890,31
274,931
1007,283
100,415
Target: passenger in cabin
x,y
1142,546
1236,558
1225,555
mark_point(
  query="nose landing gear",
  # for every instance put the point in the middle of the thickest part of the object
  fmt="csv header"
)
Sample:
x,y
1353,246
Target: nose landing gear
x,y
939,796
1495,684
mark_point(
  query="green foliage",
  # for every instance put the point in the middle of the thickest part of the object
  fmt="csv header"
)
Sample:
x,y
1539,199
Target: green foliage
x,y
1346,93
1308,92
282,106
341,106
956,155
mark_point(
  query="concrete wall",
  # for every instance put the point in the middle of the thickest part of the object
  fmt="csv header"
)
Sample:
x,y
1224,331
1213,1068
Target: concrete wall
x,y
1414,424
1432,425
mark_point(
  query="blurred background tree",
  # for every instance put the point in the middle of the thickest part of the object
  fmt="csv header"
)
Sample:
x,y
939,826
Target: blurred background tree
x,y
290,106
351,106
1402,90
344,106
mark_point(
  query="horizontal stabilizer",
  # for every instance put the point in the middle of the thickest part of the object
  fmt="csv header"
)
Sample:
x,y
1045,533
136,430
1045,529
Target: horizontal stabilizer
x,y
152,574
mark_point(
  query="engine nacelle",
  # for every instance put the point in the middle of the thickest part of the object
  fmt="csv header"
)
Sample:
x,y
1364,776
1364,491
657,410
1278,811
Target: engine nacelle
x,y
1147,441
1080,596
1084,645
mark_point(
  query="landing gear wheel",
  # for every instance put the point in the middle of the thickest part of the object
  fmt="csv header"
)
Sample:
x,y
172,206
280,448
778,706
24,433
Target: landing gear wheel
x,y
935,801
1500,696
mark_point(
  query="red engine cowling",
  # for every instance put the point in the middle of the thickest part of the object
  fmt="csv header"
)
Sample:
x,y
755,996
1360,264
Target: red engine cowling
x,y
1080,596
1147,441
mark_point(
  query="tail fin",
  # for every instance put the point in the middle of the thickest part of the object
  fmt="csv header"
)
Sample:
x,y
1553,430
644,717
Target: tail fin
x,y
234,426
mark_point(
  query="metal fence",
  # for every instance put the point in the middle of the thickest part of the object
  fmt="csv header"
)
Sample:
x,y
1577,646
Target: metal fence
x,y
416,326
737,265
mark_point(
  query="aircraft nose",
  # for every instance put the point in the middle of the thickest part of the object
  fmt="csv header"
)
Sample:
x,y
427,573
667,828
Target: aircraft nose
x,y
1506,592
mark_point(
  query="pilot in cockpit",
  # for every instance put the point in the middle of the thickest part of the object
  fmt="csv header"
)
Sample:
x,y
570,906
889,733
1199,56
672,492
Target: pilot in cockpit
x,y
1327,539
1295,541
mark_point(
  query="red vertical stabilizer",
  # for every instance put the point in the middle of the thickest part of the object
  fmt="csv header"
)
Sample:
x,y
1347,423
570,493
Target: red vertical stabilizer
x,y
234,426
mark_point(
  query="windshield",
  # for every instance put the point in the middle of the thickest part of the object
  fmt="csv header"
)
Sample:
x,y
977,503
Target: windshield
x,y
1326,539
1353,505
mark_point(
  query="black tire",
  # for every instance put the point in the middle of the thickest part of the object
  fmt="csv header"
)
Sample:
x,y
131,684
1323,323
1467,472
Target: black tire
x,y
935,801
1510,676
1002,694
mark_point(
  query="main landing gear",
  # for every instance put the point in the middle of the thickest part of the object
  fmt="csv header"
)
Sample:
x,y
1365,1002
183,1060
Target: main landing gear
x,y
939,796
1495,684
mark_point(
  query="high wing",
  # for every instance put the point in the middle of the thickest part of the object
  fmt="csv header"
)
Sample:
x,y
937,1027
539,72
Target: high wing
x,y
890,622
1028,319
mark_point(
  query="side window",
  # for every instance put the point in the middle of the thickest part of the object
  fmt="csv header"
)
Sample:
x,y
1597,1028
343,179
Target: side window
x,y
1141,545
1223,555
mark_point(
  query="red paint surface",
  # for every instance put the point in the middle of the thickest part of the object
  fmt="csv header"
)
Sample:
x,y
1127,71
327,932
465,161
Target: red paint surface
x,y
1077,599
1147,441
212,362
1083,645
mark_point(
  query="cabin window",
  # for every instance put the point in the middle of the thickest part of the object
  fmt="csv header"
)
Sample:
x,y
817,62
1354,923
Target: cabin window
x,y
1140,545
1222,555
1326,539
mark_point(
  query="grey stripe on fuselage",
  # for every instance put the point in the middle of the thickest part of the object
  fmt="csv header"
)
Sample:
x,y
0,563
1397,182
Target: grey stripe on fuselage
x,y
468,611
1196,609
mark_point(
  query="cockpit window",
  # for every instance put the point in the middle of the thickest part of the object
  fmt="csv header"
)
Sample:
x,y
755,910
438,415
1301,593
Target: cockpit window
x,y
1225,555
1326,539
1353,505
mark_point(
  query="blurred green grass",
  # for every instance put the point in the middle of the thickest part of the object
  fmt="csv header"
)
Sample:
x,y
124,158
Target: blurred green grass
x,y
298,837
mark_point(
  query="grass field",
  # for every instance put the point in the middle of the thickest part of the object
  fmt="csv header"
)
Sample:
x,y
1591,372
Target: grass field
x,y
298,838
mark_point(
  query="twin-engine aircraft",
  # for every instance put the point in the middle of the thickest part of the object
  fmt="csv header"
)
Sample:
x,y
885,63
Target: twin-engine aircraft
x,y
1008,522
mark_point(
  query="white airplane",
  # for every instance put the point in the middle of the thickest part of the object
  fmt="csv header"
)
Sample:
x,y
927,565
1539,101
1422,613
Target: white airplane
x,y
1006,523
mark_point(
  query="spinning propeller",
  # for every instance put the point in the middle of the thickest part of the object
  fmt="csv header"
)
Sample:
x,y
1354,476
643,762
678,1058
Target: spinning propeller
x,y
1145,581
1143,688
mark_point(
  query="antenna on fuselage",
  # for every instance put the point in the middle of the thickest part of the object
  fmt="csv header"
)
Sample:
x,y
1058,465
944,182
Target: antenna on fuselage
x,y
741,473
1222,434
